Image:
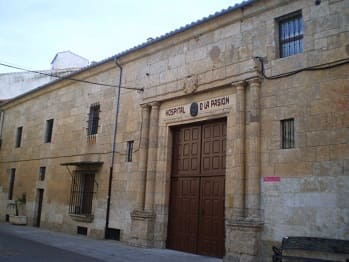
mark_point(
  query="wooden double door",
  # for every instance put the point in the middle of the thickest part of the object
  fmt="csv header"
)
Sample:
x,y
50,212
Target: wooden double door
x,y
196,214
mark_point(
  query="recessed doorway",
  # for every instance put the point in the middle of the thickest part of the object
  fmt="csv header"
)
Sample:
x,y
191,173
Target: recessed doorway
x,y
197,194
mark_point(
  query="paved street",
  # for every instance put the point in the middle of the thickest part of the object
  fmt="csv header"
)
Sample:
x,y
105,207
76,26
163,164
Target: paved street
x,y
25,243
14,248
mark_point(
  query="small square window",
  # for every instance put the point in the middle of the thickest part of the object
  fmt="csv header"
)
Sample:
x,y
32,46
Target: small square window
x,y
42,172
81,231
129,151
291,34
19,136
287,133
93,119
48,131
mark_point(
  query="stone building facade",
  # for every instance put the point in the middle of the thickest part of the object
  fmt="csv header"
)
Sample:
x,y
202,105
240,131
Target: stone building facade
x,y
64,109
231,133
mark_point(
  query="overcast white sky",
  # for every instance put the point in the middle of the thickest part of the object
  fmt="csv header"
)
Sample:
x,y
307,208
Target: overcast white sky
x,y
33,31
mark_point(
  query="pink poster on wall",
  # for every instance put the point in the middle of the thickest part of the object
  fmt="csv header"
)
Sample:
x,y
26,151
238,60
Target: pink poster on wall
x,y
271,179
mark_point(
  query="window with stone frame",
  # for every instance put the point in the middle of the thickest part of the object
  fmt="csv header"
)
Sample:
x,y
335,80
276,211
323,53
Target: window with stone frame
x,y
290,34
81,194
93,119
42,173
287,133
48,131
129,153
19,136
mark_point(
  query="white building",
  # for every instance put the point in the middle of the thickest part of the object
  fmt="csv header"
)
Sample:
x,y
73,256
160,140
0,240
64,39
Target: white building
x,y
67,59
16,83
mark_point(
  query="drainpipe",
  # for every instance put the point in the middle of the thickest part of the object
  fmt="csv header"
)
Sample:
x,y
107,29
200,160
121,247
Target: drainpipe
x,y
2,116
113,150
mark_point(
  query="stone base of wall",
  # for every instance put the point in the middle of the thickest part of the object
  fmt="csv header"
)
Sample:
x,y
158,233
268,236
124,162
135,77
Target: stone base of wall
x,y
96,233
18,220
241,258
243,240
142,228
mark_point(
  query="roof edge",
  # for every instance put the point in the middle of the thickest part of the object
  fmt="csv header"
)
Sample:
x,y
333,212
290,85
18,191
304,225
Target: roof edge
x,y
141,46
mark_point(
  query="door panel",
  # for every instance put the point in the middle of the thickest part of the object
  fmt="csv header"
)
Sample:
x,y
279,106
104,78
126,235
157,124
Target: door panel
x,y
184,206
186,154
196,212
211,222
213,143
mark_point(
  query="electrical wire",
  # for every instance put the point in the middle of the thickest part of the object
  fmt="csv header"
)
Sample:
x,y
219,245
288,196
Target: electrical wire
x,y
312,68
69,78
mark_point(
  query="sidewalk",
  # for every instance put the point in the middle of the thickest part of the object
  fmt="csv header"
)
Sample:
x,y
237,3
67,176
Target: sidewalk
x,y
106,250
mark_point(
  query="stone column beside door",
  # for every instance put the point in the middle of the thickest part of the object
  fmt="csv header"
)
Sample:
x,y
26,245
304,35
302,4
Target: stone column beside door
x,y
244,222
142,218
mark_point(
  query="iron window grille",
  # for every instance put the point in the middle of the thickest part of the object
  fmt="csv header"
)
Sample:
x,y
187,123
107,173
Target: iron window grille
x,y
81,194
42,172
81,230
93,119
291,34
129,151
19,136
113,233
287,133
11,183
48,132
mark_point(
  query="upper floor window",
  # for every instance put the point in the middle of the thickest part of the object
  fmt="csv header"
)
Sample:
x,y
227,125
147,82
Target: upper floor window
x,y
42,172
19,136
93,119
48,131
291,34
287,133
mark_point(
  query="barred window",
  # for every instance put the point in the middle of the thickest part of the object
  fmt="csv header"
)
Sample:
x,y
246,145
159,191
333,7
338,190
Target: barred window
x,y
93,119
11,183
48,131
42,172
81,194
291,34
19,136
129,151
287,133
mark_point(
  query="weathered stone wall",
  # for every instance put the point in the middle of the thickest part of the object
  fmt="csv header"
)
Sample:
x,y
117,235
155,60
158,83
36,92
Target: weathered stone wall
x,y
209,61
197,60
310,198
125,189
221,52
68,104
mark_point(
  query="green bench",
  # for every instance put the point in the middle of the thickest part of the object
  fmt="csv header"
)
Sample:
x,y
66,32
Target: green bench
x,y
311,244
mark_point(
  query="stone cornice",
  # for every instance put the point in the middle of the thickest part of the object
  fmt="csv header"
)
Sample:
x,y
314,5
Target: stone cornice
x,y
245,223
239,85
142,214
203,87
254,81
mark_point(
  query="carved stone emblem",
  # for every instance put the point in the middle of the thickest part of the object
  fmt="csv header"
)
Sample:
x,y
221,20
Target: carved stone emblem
x,y
194,109
190,84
